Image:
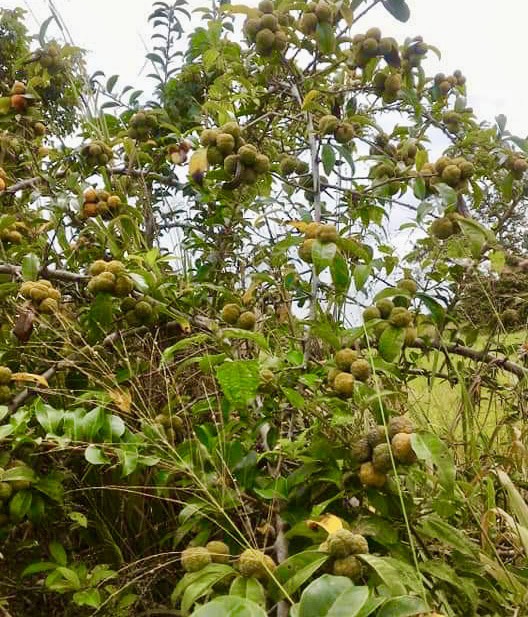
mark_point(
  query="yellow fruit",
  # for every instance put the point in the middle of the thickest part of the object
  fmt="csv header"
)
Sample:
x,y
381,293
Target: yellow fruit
x,y
344,358
451,175
327,233
254,563
115,267
305,250
344,385
98,267
123,286
400,317
114,201
348,566
400,424
18,88
247,320
90,195
312,229
231,313
195,558
49,305
5,377
369,477
360,369
402,448
219,551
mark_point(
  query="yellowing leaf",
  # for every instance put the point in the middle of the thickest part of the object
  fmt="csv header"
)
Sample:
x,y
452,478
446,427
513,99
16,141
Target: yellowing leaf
x,y
198,165
347,15
310,98
249,294
41,381
329,522
121,398
299,225
240,8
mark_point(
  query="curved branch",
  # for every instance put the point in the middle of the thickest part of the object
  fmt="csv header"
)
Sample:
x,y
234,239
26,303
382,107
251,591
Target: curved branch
x,y
58,275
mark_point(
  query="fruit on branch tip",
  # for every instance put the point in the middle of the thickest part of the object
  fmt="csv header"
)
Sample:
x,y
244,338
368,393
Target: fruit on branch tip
x,y
344,385
400,317
264,40
266,6
370,313
248,154
342,543
255,563
269,22
231,313
220,552
360,369
408,284
344,358
225,143
195,558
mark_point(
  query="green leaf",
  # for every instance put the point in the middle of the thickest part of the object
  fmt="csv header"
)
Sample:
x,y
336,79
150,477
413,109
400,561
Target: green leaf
x,y
297,569
36,568
239,381
398,9
325,37
58,553
202,584
88,597
497,260
389,570
361,274
21,472
239,333
323,254
30,267
434,452
230,606
340,274
249,588
328,157
404,606
19,505
517,506
332,596
436,309
435,527
48,417
191,341
95,456
391,343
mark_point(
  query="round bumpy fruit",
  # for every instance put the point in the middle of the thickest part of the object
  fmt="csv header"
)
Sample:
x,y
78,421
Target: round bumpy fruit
x,y
381,457
510,317
344,385
360,450
409,285
344,358
231,313
360,369
385,307
402,448
327,233
195,558
305,250
328,124
342,543
219,551
400,317
348,566
5,376
247,320
400,424
442,228
376,435
369,477
370,313
344,133
254,563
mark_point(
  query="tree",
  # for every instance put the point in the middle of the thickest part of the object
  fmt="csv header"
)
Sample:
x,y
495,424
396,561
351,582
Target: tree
x,y
210,348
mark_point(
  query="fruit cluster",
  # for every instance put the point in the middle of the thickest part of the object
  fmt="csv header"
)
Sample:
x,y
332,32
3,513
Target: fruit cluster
x,y
14,233
44,297
139,312
387,85
445,83
6,393
99,202
142,125
414,52
344,546
49,57
265,30
97,153
109,277
226,146
349,367
315,14
316,231
291,164
372,45
517,164
343,132
9,488
444,227
234,315
454,172
18,100
385,171
169,424
407,151
381,448
195,558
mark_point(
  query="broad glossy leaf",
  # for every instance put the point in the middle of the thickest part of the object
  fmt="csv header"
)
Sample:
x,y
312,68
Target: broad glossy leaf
x,y
230,606
434,451
398,9
248,588
404,606
239,381
391,343
297,569
332,596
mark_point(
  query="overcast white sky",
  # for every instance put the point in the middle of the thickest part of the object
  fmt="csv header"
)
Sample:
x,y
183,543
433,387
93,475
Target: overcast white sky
x,y
485,39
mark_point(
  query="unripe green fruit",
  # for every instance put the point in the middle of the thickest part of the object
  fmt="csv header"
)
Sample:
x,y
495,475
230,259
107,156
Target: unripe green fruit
x,y
308,23
262,164
370,313
49,306
5,394
288,165
269,22
305,250
254,563
400,424
344,358
384,306
369,477
214,156
411,334
6,490
442,228
342,543
451,175
230,164
265,40
265,6
123,286
225,143
5,376
393,83
327,233
208,137
344,385
409,285
231,128
219,551
248,154
369,47
323,11
373,33
344,133
328,124
402,448
380,328
386,45
115,267
281,40
400,317
38,293
247,320
444,87
510,317
312,229
348,566
467,169
381,457
248,175
231,313
143,310
360,369
195,558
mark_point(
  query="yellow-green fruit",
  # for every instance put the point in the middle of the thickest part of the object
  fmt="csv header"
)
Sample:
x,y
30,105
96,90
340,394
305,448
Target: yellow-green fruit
x,y
231,313
308,23
231,128
38,293
247,320
393,83
451,175
344,133
230,164
143,310
248,175
270,22
251,27
332,374
105,282
409,285
369,47
115,267
467,169
254,563
344,385
265,6
6,490
411,334
381,457
380,328
5,394
214,156
267,376
400,424
373,33
385,307
281,40
402,448
265,40
195,558
208,137
219,551
348,566
376,435
323,11
98,267
441,164
262,164
360,369
360,450
519,166
5,376
123,286
54,293
510,317
369,477
328,124
49,306
312,229
305,250
327,233
288,165
344,358
400,317
386,45
442,228
225,143
342,543
114,201
248,154
370,313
